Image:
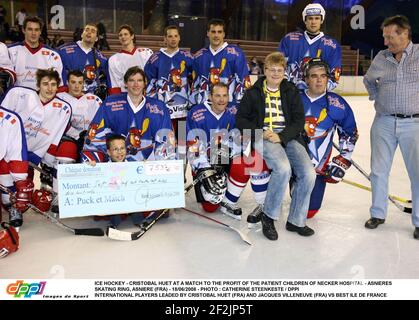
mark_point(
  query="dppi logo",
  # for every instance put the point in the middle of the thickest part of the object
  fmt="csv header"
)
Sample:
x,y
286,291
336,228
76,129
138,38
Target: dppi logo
x,y
27,290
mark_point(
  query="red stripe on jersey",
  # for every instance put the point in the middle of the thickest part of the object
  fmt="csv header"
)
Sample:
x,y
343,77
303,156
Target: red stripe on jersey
x,y
19,166
112,91
52,150
62,89
4,168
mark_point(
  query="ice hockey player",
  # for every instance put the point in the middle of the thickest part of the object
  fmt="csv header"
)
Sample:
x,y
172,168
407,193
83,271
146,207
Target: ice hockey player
x,y
144,121
31,55
214,151
45,117
82,55
168,73
219,62
84,108
128,57
7,75
298,47
14,167
325,113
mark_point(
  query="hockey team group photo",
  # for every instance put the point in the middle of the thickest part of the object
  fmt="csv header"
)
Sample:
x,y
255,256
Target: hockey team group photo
x,y
219,141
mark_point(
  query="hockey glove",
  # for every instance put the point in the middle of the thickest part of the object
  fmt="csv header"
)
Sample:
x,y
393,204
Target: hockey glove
x,y
23,195
336,169
42,200
212,181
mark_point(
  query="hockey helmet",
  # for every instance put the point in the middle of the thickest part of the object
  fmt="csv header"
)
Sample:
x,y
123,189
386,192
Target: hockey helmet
x,y
315,62
314,9
9,240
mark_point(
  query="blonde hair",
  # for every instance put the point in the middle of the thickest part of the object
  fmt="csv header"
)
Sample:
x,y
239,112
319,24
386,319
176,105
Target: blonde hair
x,y
275,58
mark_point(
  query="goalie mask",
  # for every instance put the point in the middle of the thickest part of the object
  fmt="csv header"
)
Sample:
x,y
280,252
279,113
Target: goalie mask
x,y
214,188
9,240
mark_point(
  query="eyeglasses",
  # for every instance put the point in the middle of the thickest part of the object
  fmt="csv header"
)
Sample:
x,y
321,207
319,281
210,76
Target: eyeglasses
x,y
273,70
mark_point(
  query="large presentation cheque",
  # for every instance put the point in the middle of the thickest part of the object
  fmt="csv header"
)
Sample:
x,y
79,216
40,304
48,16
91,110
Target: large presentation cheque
x,y
119,187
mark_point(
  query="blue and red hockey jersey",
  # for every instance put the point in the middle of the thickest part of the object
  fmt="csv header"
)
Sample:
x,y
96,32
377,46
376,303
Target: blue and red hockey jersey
x,y
207,132
74,57
323,115
298,48
168,78
148,129
228,65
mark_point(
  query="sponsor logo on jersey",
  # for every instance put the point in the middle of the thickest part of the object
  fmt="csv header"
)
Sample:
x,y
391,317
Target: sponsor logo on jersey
x,y
154,109
27,290
329,42
335,102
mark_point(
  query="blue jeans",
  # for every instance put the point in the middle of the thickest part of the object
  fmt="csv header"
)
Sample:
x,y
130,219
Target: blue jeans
x,y
387,133
136,218
282,161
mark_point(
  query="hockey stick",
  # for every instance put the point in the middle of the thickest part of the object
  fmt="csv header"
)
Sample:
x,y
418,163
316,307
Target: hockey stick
x,y
244,237
145,226
361,186
366,175
393,199
98,232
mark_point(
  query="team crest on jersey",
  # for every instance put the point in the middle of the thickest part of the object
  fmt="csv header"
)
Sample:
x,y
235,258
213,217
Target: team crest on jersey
x,y
89,72
215,73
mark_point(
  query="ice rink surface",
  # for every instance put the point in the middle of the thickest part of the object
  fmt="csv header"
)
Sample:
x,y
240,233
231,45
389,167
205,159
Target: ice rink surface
x,y
187,246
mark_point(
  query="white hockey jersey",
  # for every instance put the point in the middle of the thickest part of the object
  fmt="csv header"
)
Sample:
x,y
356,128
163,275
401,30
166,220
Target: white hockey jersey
x,y
44,124
5,62
26,61
13,150
83,111
120,62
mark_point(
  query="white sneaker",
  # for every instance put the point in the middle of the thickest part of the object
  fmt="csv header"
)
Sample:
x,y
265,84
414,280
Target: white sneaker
x,y
231,209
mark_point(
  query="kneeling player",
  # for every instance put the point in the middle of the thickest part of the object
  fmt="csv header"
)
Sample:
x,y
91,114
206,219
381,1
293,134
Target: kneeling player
x,y
325,111
144,121
45,117
212,143
14,167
